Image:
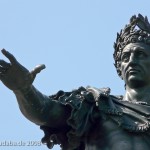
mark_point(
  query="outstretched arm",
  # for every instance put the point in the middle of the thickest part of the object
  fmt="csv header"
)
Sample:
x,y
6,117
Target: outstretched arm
x,y
35,106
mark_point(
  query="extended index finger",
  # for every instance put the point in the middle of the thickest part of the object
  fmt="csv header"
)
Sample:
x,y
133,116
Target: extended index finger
x,y
9,56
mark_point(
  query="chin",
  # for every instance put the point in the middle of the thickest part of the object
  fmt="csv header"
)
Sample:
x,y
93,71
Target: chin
x,y
135,83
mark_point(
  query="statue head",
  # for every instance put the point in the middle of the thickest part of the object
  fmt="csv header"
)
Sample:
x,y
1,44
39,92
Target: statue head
x,y
137,31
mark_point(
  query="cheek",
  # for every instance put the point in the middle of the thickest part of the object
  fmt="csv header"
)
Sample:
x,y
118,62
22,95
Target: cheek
x,y
122,66
145,64
146,67
123,72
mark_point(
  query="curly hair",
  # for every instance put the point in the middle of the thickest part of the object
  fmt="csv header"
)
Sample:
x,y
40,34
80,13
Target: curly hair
x,y
138,30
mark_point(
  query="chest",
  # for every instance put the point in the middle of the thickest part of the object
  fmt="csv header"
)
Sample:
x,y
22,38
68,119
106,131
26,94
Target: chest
x,y
110,136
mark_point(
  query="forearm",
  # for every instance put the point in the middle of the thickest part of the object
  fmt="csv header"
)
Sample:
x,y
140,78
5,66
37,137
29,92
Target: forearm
x,y
35,106
39,109
31,103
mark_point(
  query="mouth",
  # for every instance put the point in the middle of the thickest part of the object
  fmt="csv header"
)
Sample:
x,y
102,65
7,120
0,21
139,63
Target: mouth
x,y
133,71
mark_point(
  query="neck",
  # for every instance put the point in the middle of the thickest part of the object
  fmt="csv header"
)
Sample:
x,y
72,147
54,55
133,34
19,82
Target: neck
x,y
138,94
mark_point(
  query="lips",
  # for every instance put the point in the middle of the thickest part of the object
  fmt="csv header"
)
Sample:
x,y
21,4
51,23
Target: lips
x,y
133,70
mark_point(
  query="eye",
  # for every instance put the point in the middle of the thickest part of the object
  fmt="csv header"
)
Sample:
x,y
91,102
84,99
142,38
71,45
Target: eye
x,y
141,54
125,57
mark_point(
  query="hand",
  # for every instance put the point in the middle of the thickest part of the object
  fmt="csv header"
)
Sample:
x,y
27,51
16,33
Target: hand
x,y
14,75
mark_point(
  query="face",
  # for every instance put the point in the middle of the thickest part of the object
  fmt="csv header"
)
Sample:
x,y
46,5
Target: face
x,y
135,65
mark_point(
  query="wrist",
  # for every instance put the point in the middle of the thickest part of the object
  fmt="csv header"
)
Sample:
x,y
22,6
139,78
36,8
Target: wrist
x,y
24,90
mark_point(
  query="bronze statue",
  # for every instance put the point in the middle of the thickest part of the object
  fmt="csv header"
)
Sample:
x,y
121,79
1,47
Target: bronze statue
x,y
90,118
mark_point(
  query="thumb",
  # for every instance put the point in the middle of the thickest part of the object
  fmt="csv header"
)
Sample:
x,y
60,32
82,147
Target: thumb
x,y
37,70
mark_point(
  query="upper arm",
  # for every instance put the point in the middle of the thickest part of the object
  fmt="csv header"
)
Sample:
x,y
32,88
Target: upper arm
x,y
56,114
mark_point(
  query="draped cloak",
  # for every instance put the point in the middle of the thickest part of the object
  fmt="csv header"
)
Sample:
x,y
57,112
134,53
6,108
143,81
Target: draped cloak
x,y
89,105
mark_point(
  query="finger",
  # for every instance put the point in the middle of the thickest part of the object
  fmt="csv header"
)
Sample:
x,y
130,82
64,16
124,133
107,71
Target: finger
x,y
1,76
9,56
2,69
38,69
4,64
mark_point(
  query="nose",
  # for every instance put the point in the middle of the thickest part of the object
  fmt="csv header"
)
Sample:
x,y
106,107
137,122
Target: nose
x,y
132,58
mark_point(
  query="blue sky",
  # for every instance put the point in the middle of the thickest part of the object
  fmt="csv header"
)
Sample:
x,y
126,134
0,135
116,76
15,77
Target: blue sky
x,y
73,38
